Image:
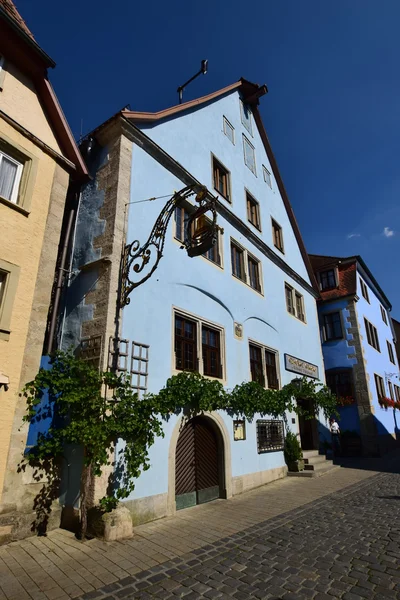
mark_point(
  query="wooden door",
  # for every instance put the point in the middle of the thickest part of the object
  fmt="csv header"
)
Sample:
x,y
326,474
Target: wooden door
x,y
197,464
307,427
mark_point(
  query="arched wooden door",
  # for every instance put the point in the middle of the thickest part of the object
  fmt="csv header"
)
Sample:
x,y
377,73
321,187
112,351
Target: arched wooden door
x,y
197,464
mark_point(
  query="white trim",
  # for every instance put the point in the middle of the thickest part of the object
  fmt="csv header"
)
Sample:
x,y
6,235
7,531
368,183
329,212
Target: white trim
x,y
267,176
245,139
243,120
228,124
17,180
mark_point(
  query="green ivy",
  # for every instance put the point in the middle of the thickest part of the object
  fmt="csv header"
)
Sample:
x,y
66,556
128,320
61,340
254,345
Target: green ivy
x,y
95,409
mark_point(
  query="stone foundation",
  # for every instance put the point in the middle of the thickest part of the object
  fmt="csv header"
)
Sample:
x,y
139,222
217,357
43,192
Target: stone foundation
x,y
245,483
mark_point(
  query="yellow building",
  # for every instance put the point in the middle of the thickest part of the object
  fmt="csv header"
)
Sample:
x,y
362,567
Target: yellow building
x,y
39,162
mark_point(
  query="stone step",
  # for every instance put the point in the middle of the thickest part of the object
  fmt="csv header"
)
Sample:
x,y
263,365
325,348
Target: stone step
x,y
318,472
317,466
310,453
321,458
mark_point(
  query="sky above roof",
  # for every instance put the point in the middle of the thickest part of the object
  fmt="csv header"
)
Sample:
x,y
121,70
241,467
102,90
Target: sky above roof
x,y
331,113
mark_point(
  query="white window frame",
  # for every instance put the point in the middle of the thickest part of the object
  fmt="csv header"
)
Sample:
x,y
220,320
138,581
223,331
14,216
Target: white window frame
x,y
228,125
246,255
243,120
200,321
246,140
17,181
294,303
267,176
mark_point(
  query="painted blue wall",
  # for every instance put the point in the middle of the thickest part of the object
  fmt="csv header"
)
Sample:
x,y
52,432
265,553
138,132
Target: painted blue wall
x,y
206,290
376,362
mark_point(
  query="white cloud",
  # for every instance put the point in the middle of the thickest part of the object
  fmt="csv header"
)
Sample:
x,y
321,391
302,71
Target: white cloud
x,y
353,235
387,232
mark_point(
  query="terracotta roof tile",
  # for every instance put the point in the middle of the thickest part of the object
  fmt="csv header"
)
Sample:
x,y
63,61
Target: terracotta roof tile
x,y
9,7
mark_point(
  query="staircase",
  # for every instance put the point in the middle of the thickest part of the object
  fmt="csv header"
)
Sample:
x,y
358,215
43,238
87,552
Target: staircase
x,y
315,465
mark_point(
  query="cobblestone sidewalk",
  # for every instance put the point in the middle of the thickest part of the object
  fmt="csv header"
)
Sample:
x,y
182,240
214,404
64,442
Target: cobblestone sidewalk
x,y
239,548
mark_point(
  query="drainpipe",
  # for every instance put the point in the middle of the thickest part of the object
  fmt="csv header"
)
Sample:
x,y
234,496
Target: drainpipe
x,y
60,278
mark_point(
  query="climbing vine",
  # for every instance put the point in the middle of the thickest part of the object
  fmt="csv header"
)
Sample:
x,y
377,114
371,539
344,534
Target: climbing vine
x,y
96,409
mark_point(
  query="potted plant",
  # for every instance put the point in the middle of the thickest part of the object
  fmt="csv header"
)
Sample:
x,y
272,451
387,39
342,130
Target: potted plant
x,y
293,454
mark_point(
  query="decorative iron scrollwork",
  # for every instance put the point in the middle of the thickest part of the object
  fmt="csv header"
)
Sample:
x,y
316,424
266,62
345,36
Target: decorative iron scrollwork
x,y
201,236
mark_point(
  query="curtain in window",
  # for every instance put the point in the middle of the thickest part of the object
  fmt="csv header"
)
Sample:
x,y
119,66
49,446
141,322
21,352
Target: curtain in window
x,y
8,173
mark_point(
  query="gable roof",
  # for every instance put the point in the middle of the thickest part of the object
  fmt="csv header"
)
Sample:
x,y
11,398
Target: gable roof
x,y
10,8
29,58
251,93
320,261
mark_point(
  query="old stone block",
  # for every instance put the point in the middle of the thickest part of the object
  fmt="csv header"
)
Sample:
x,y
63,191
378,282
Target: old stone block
x,y
112,526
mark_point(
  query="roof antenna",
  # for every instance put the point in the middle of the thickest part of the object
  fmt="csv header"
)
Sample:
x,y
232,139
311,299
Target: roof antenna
x,y
203,70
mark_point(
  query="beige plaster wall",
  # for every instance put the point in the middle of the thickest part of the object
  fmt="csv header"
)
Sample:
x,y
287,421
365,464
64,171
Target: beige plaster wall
x,y
22,244
19,100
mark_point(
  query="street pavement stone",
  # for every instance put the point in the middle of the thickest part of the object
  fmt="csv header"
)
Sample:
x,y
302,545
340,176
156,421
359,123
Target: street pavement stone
x,y
345,545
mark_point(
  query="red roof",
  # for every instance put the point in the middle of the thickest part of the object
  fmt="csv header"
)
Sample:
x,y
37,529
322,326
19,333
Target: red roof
x,y
9,7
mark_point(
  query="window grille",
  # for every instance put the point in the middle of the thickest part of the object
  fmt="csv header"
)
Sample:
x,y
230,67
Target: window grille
x,y
270,436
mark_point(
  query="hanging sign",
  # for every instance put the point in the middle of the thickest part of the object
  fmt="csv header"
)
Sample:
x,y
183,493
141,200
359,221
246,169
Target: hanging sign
x,y
296,365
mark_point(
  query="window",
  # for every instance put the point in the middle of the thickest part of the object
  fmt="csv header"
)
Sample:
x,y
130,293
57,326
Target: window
x,y
2,73
245,114
211,352
391,390
221,180
397,392
253,211
332,327
299,306
277,236
246,267
254,273
181,219
198,346
185,344
380,387
263,366
390,351
289,300
249,155
10,177
294,303
269,436
372,335
340,383
9,274
327,279
237,256
364,290
3,280
384,316
267,176
229,130
256,365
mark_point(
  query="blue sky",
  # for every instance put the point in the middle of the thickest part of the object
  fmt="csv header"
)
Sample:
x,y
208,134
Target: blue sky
x,y
332,111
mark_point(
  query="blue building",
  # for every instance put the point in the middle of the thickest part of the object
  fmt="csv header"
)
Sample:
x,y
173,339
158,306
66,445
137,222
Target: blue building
x,y
358,342
245,310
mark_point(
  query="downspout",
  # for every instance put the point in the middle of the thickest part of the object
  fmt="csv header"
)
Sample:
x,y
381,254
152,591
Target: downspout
x,y
60,278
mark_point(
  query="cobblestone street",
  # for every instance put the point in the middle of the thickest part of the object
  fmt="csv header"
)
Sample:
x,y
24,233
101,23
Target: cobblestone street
x,y
345,546
336,536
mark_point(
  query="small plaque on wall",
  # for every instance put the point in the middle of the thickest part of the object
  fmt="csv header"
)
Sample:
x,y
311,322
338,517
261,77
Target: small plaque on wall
x,y
238,330
239,430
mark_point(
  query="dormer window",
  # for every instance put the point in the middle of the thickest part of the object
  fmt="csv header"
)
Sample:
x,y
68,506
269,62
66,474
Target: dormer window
x,y
327,279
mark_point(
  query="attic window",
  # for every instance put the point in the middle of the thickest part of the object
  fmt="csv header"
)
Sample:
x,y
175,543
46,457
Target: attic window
x,y
245,113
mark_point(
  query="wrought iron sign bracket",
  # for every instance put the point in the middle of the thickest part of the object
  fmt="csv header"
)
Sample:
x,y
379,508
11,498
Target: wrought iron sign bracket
x,y
201,235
